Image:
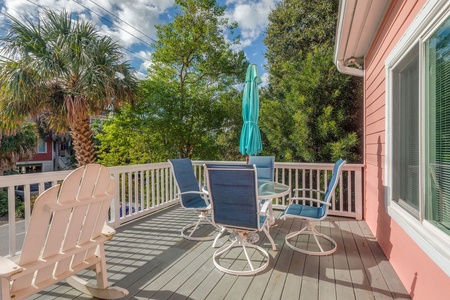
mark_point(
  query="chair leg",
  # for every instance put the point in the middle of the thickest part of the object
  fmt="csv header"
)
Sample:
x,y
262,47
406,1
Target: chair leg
x,y
266,231
113,292
5,287
202,220
311,230
218,236
101,290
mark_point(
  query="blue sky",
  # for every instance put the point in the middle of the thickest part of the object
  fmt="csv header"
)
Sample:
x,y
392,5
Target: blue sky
x,y
131,22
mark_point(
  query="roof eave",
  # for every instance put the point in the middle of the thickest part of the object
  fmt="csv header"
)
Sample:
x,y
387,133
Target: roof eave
x,y
358,22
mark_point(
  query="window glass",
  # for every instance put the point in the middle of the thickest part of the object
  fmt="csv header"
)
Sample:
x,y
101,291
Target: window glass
x,y
42,147
406,132
437,169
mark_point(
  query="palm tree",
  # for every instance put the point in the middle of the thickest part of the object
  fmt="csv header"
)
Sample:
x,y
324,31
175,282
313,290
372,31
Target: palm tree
x,y
65,71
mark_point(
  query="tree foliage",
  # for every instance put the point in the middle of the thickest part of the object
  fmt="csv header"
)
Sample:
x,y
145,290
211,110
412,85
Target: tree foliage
x,y
311,111
191,84
62,70
126,138
18,146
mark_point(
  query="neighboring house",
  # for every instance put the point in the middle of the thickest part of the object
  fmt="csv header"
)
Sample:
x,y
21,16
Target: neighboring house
x,y
42,161
50,156
53,154
402,49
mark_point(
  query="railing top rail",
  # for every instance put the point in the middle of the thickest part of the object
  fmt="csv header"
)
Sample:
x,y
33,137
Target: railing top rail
x,y
303,165
288,165
141,167
21,179
57,175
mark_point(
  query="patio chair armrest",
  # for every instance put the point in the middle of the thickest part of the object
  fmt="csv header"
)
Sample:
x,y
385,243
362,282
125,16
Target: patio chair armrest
x,y
193,192
8,267
309,190
266,206
310,199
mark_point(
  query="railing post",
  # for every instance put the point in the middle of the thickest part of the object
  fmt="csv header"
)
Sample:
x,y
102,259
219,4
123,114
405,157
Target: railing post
x,y
358,194
12,221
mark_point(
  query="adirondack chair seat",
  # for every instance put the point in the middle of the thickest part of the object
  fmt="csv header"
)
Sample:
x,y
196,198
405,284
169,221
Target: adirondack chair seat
x,y
66,235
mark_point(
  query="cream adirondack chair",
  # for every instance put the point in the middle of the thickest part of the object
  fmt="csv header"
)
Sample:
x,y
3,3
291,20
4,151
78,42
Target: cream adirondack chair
x,y
66,235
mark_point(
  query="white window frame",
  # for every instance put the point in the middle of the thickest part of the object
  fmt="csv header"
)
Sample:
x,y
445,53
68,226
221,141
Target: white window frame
x,y
45,145
430,239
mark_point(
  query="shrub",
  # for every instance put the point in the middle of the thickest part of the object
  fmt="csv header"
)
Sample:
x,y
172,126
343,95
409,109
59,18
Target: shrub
x,y
20,207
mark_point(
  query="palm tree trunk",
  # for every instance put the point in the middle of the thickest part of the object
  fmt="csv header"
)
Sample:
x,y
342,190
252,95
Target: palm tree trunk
x,y
80,130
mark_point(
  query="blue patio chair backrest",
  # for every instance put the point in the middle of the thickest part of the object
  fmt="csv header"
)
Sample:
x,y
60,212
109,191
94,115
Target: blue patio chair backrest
x,y
185,179
333,183
233,194
265,166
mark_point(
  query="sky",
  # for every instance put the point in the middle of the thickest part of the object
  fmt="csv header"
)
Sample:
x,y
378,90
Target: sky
x,y
131,23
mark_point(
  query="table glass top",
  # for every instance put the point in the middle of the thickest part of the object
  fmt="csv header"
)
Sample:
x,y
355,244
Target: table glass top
x,y
270,188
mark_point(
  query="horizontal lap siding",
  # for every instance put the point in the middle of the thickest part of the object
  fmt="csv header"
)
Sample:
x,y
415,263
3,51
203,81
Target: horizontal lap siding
x,y
398,17
421,277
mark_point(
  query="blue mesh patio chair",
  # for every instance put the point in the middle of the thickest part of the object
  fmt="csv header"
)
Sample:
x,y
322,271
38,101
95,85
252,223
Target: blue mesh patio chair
x,y
235,206
318,210
191,198
265,166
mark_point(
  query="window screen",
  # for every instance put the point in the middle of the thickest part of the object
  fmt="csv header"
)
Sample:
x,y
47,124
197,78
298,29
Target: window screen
x,y
406,131
437,66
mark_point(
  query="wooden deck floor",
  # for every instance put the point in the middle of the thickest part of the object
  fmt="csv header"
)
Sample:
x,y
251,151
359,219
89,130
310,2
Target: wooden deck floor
x,y
150,259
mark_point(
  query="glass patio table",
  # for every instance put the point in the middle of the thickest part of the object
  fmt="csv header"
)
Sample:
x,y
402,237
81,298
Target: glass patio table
x,y
271,189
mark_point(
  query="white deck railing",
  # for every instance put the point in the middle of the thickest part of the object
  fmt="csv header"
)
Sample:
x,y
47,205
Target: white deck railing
x,y
143,189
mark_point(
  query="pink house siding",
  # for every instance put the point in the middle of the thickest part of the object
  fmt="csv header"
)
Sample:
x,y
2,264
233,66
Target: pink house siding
x,y
419,274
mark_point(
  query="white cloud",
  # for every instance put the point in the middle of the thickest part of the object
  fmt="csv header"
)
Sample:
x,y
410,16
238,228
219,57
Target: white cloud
x,y
148,62
252,17
265,79
135,22
136,19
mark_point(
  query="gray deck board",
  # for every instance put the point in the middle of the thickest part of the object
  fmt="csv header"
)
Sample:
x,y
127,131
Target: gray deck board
x,y
327,290
151,259
361,284
293,283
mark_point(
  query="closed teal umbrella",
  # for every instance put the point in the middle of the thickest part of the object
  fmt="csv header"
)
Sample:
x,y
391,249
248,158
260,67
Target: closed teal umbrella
x,y
250,143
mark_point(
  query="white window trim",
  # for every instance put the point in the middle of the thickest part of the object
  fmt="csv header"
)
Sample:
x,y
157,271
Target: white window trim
x,y
430,239
45,147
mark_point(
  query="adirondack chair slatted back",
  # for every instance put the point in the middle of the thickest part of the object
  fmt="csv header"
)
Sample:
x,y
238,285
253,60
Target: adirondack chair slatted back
x,y
67,220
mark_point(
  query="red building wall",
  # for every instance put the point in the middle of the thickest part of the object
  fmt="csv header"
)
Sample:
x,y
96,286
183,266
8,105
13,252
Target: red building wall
x,y
44,156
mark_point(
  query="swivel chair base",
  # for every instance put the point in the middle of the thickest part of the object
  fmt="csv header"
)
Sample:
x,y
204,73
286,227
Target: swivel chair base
x,y
311,230
241,241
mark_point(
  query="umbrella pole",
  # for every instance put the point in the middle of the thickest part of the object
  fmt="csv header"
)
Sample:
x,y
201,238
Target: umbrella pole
x,y
246,159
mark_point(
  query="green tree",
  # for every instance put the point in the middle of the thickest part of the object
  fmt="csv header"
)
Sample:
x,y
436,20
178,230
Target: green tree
x,y
311,109
126,138
16,147
62,70
194,71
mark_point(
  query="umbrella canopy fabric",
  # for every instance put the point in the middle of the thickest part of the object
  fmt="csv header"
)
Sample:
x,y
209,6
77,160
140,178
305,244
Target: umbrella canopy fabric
x,y
250,142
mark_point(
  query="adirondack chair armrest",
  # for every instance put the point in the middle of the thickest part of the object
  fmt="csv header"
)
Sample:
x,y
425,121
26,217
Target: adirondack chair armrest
x,y
108,231
8,267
